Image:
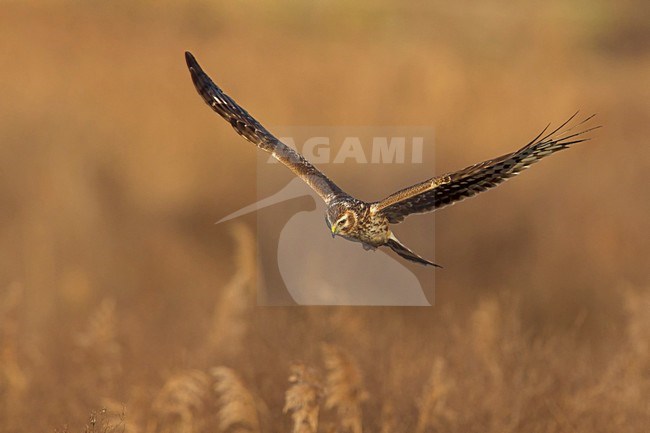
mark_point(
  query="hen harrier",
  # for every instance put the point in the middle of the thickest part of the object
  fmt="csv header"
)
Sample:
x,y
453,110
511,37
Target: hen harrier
x,y
369,223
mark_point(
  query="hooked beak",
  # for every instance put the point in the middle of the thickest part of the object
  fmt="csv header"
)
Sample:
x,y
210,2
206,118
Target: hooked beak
x,y
334,230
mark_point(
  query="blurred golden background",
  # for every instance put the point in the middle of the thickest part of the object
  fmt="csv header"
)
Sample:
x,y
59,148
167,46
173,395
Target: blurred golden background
x,y
118,294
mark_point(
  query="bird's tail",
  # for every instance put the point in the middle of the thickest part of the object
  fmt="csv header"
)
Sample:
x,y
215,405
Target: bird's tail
x,y
401,249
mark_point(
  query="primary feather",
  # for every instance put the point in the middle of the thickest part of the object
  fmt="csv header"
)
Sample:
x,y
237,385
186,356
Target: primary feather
x,y
449,188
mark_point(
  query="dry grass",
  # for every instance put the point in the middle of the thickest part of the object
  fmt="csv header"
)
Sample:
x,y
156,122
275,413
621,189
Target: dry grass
x,y
119,296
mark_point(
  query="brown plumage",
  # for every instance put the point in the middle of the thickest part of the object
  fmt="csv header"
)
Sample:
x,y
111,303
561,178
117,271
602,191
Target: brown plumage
x,y
369,223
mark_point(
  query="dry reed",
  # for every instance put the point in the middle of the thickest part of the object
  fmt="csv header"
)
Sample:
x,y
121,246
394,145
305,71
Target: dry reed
x,y
14,381
303,398
229,320
179,403
486,328
388,417
105,421
434,411
344,388
99,345
237,406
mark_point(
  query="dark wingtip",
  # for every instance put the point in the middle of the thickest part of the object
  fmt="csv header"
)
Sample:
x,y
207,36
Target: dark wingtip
x,y
189,59
435,265
192,64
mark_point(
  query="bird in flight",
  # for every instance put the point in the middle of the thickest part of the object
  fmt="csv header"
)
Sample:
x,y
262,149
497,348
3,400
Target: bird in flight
x,y
370,222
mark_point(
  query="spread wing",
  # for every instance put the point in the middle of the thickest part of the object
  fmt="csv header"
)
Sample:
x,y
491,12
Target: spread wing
x,y
253,131
444,190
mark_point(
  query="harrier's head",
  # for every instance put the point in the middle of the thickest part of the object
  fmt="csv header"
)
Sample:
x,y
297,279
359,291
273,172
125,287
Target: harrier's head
x,y
342,217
